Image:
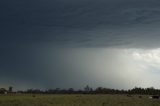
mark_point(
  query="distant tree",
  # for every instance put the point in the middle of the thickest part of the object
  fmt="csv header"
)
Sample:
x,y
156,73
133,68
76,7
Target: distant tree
x,y
87,89
10,89
102,90
57,90
29,91
50,91
70,90
2,90
151,91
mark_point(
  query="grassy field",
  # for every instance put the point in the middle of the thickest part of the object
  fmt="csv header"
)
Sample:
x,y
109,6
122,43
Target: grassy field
x,y
76,100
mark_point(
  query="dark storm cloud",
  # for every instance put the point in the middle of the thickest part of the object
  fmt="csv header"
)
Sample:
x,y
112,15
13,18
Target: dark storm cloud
x,y
32,30
83,23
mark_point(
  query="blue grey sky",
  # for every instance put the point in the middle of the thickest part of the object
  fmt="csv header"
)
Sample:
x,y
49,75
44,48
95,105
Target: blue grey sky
x,y
68,43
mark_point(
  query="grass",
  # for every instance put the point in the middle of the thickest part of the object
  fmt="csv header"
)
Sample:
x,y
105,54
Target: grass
x,y
76,100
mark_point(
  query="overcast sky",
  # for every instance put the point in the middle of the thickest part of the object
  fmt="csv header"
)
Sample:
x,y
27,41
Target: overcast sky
x,y
68,43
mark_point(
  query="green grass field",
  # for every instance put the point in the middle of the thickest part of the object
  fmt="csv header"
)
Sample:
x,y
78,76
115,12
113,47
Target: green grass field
x,y
76,100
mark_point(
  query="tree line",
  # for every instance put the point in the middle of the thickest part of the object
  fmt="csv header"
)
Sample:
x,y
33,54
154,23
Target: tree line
x,y
99,90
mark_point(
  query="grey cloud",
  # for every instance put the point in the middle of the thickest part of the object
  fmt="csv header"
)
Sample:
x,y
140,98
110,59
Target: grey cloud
x,y
76,23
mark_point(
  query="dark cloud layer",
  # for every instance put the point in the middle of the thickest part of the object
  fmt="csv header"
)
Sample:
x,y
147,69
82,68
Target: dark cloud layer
x,y
80,23
32,30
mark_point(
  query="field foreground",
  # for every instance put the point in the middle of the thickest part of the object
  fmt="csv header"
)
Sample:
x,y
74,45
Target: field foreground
x,y
77,100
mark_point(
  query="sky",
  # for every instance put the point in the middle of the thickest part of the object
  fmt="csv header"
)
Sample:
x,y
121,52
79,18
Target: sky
x,y
73,43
